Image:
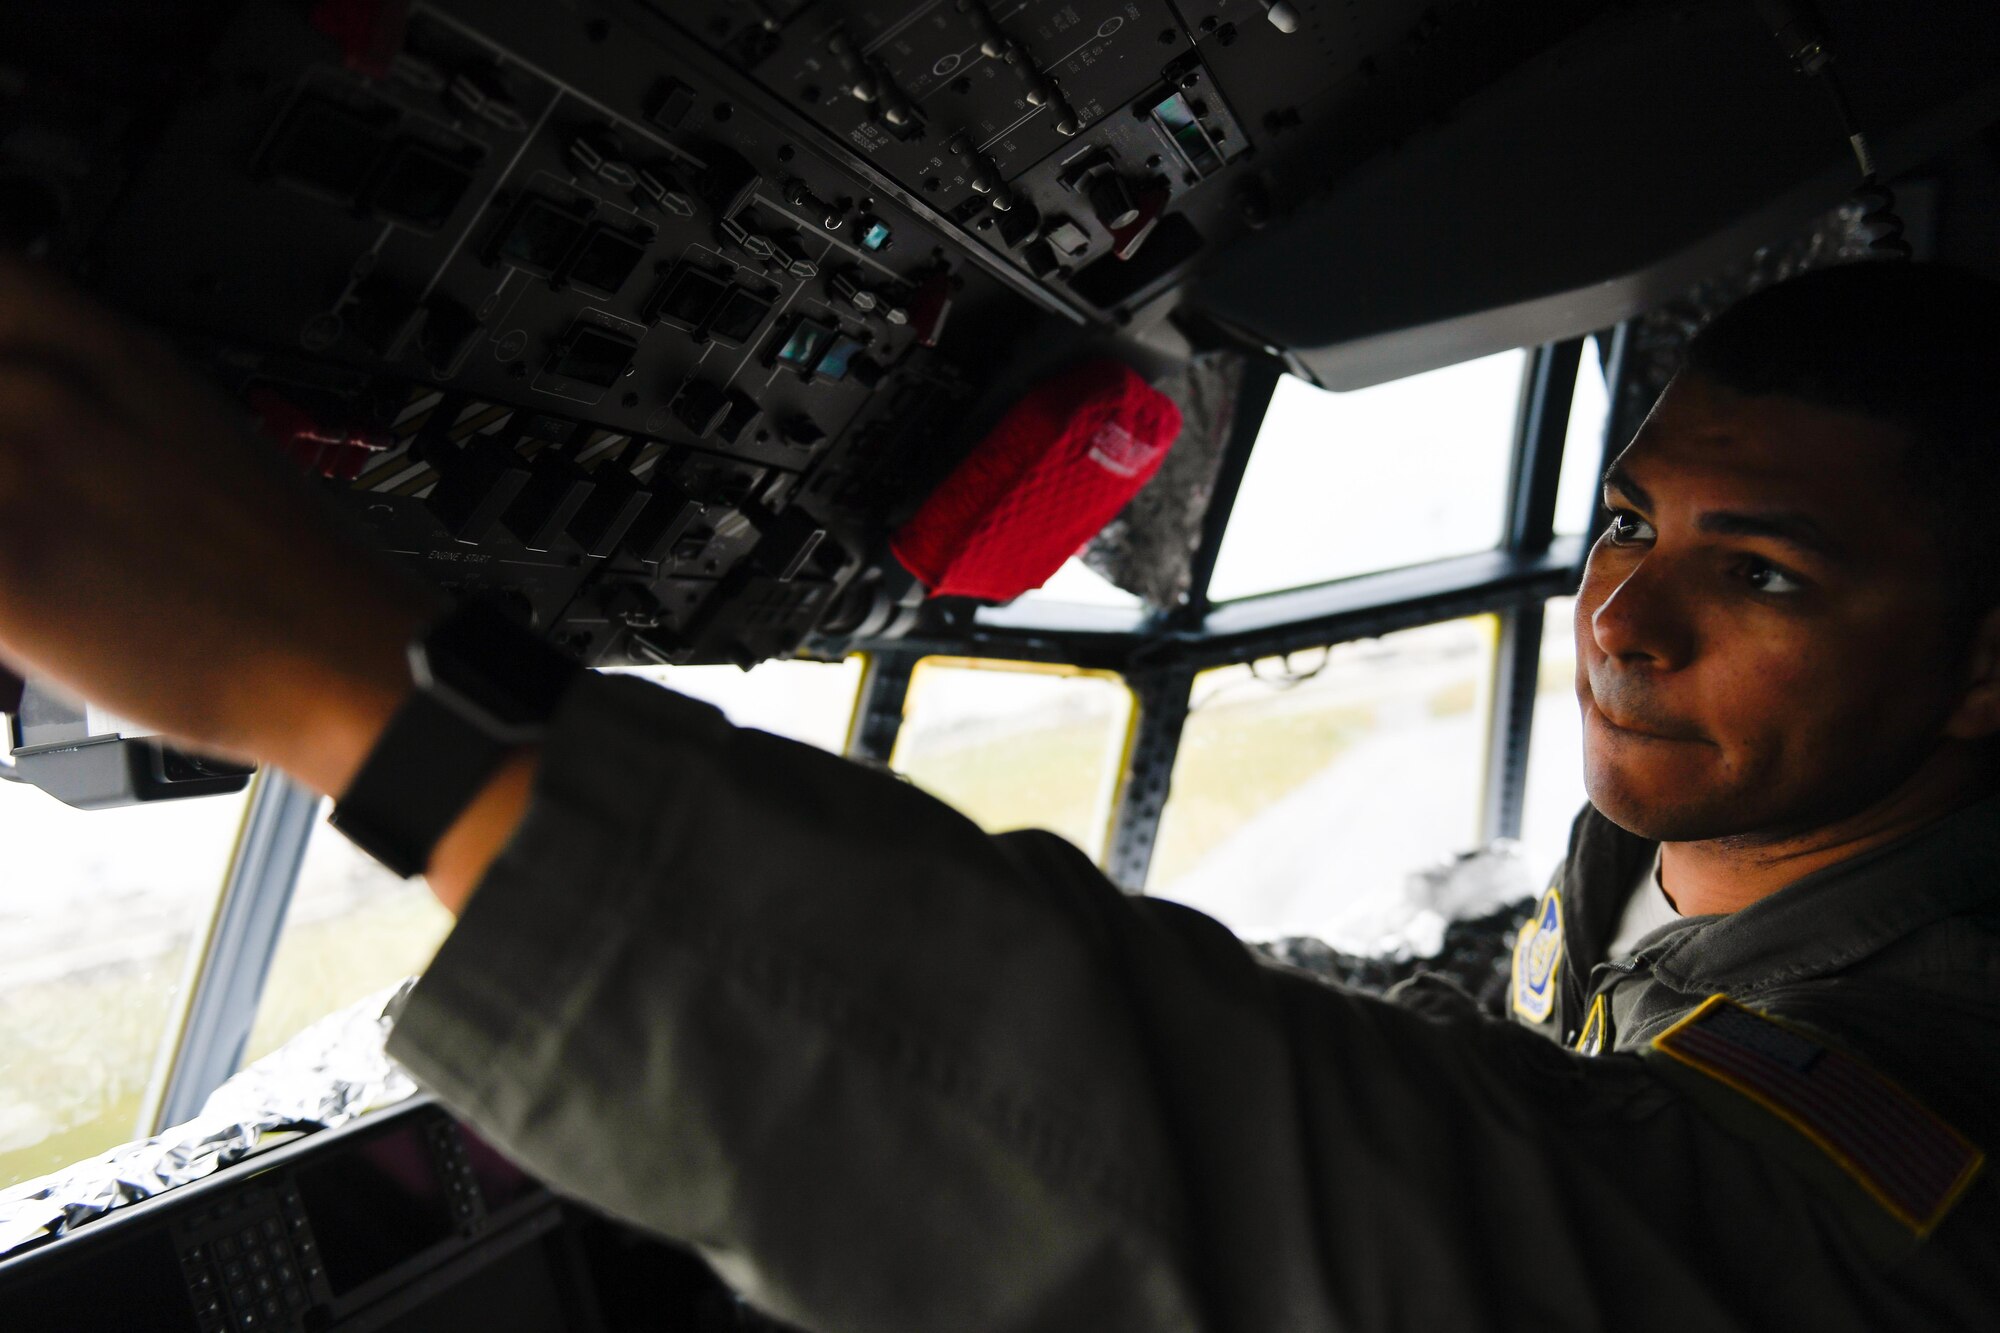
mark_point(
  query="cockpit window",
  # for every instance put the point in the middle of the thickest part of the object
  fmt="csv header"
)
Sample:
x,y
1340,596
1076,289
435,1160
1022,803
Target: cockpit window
x,y
806,701
1349,483
1583,445
1307,788
1079,585
352,929
1017,746
1555,752
99,911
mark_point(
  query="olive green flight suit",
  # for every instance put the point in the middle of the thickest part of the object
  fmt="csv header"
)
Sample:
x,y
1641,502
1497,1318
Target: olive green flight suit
x,y
891,1074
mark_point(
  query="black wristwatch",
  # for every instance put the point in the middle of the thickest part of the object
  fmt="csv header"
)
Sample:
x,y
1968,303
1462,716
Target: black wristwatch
x,y
485,685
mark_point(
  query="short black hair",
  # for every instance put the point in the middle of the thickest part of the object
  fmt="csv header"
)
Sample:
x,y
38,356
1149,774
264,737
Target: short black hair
x,y
1915,345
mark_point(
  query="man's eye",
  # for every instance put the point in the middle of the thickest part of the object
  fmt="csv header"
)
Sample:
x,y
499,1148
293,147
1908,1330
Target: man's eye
x,y
1768,578
1628,529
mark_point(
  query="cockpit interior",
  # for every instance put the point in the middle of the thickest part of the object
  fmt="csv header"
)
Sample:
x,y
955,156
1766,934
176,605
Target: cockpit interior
x,y
1125,417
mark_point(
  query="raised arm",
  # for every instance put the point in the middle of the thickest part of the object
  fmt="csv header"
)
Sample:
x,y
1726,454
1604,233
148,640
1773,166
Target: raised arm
x,y
893,1074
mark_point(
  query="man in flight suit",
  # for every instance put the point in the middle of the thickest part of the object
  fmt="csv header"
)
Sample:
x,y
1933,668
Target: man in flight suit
x,y
889,1073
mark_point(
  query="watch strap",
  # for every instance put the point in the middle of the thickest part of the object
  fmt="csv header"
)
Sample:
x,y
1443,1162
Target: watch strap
x,y
426,768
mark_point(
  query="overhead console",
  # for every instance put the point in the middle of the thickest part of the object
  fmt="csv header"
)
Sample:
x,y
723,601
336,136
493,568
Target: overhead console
x,y
1069,140
646,321
653,320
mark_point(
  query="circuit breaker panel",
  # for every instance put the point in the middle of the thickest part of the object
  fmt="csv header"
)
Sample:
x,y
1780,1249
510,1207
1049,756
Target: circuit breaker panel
x,y
643,319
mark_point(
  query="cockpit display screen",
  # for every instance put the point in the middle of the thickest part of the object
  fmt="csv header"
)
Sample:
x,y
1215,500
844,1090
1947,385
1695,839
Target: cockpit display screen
x,y
375,1205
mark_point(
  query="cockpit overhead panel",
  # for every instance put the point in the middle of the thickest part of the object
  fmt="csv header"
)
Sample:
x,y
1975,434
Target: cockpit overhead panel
x,y
654,320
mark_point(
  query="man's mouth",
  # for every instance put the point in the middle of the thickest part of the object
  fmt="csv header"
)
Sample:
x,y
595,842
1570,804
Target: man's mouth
x,y
1643,733
1639,722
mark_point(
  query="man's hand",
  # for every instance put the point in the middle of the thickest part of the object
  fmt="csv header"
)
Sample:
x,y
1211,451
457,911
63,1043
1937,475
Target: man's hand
x,y
158,559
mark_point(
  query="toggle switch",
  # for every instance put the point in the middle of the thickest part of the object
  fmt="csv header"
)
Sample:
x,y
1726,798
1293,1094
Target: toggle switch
x,y
846,286
668,515
596,154
555,490
786,251
821,213
786,543
655,187
1151,202
1111,201
476,485
736,422
601,523
480,93
1017,225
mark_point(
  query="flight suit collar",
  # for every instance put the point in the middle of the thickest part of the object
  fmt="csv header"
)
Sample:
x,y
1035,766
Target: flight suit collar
x,y
1821,923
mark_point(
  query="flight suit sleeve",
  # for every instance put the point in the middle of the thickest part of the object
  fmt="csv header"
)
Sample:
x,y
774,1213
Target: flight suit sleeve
x,y
889,1073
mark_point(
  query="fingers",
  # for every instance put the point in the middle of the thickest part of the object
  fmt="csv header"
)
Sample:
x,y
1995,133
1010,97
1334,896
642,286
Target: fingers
x,y
157,557
40,310
49,416
125,370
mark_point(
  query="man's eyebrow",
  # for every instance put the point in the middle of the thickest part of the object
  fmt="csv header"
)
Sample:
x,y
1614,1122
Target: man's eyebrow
x,y
1783,525
1616,478
1788,526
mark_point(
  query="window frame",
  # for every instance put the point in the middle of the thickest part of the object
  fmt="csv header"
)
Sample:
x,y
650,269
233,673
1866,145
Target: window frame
x,y
228,967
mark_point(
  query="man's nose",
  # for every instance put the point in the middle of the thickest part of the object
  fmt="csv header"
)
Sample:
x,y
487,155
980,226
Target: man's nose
x,y
1641,618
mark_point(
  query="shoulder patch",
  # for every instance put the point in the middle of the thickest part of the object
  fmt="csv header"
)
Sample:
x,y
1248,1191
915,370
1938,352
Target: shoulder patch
x,y
1537,956
1907,1158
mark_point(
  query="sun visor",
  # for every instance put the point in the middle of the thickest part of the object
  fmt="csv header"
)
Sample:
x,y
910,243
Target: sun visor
x,y
1059,465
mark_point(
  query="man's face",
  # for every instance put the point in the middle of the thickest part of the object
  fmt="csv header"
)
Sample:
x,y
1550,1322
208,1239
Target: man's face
x,y
1764,634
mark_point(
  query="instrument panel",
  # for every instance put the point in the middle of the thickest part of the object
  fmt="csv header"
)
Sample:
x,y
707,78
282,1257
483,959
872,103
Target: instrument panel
x,y
403,1221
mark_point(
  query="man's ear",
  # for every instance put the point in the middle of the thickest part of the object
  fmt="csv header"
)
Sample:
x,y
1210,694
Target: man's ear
x,y
1978,713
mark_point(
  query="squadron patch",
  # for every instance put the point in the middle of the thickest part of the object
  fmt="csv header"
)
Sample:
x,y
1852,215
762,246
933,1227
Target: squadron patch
x,y
1537,955
1908,1159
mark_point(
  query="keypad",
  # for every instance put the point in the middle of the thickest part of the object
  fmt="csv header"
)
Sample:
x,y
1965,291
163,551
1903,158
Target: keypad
x,y
460,1185
251,1263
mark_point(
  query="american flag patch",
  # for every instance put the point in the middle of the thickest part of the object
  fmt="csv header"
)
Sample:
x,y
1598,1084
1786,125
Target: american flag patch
x,y
1913,1163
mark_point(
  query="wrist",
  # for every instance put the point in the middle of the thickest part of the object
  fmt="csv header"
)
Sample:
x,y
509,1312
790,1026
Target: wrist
x,y
477,689
468,848
335,696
